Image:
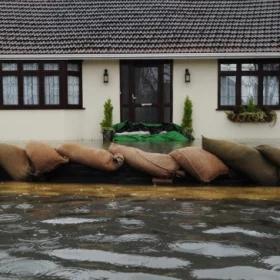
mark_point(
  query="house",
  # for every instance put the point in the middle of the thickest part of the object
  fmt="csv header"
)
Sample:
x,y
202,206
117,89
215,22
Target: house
x,y
60,60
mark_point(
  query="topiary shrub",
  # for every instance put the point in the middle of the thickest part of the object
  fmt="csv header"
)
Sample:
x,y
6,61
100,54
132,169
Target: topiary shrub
x,y
107,123
187,126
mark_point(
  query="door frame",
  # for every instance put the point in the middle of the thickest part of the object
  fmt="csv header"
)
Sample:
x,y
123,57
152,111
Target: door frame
x,y
161,105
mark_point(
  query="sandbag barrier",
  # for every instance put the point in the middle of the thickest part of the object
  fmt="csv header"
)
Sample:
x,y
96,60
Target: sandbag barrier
x,y
219,163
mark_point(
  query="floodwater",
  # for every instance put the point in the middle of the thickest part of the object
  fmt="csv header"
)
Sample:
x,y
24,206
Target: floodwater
x,y
71,237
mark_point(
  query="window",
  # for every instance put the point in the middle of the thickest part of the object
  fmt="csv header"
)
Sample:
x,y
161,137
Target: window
x,y
242,81
40,85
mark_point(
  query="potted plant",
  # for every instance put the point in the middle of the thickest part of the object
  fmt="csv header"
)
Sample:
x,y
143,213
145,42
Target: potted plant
x,y
187,126
251,113
107,123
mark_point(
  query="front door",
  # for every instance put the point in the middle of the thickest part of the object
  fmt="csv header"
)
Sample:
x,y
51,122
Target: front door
x,y
146,91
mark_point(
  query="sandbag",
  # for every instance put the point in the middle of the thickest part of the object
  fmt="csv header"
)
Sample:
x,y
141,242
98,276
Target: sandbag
x,y
200,163
92,157
157,165
43,157
15,162
270,153
244,159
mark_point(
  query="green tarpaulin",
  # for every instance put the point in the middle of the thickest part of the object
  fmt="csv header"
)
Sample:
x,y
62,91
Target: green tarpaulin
x,y
155,133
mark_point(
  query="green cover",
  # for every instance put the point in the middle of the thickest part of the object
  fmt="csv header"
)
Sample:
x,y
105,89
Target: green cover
x,y
171,136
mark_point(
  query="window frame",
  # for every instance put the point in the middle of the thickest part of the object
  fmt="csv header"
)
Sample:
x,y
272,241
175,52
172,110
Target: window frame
x,y
62,73
260,73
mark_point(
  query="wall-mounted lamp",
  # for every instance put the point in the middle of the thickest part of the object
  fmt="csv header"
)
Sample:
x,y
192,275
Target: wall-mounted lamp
x,y
106,77
187,76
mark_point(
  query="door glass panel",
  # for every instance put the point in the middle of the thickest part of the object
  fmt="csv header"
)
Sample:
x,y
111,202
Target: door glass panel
x,y
271,90
167,83
125,79
249,89
31,90
10,90
146,84
146,114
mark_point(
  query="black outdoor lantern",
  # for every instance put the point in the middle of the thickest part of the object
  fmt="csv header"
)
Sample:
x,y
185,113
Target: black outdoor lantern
x,y
187,76
106,77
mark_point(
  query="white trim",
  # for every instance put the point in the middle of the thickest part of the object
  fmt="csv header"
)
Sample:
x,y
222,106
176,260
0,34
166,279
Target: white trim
x,y
142,56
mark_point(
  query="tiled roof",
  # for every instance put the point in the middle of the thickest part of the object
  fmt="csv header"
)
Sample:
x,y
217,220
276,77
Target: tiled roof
x,y
138,26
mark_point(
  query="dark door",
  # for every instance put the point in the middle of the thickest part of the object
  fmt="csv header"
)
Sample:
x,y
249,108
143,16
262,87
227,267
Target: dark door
x,y
146,91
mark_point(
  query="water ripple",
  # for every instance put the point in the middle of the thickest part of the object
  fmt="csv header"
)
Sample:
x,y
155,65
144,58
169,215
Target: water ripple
x,y
236,273
9,218
73,221
119,259
230,229
212,249
136,237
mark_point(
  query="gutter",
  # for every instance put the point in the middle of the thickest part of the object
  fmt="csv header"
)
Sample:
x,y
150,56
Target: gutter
x,y
141,56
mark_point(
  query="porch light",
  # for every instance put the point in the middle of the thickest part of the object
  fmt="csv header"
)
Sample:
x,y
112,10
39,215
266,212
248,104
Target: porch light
x,y
187,76
106,77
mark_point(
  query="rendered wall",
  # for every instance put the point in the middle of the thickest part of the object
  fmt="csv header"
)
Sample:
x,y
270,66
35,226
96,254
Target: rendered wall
x,y
19,125
203,92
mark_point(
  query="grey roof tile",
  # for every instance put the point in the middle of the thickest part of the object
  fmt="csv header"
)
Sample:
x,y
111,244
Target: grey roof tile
x,y
138,26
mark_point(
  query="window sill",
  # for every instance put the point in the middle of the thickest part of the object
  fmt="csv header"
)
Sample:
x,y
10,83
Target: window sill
x,y
274,108
8,108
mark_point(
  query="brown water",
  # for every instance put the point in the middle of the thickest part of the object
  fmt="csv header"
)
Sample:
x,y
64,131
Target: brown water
x,y
71,237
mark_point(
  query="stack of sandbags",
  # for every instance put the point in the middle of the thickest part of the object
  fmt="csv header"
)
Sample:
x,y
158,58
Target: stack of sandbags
x,y
199,163
157,165
43,157
260,165
95,158
15,162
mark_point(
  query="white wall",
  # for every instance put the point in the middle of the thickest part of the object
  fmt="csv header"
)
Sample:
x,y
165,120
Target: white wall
x,y
203,91
22,125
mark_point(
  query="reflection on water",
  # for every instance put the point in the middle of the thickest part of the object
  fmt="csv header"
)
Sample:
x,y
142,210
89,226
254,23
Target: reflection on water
x,y
212,249
85,238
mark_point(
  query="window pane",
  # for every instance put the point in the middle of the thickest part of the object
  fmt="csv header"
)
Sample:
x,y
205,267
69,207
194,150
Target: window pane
x,y
125,75
52,90
249,67
167,83
270,90
30,66
146,84
167,115
51,66
271,67
228,91
10,90
72,67
31,90
73,90
249,89
228,67
9,66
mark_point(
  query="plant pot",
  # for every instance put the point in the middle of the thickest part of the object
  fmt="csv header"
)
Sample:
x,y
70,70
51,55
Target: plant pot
x,y
108,135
